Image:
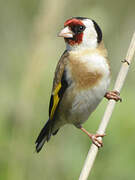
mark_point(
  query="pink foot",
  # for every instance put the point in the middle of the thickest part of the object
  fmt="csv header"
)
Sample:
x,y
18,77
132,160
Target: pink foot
x,y
115,95
95,140
94,137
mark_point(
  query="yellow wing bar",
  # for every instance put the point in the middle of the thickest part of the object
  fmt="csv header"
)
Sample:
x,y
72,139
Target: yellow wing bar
x,y
55,100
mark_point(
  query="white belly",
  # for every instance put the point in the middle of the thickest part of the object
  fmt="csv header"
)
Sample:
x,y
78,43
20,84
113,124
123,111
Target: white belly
x,y
86,102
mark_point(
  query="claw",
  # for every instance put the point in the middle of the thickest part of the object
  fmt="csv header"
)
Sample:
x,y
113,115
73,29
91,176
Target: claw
x,y
115,95
94,137
95,140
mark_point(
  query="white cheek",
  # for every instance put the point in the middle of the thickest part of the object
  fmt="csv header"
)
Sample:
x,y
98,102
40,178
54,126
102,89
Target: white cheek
x,y
89,35
89,40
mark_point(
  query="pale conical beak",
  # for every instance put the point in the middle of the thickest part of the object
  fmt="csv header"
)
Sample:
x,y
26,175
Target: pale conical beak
x,y
66,33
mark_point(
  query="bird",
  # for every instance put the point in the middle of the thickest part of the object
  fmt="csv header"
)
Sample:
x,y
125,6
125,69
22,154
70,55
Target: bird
x,y
81,80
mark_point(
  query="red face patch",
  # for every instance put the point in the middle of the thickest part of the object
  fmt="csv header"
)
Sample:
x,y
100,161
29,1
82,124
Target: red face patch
x,y
73,23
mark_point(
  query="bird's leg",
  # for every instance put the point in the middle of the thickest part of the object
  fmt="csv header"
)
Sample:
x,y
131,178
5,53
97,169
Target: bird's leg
x,y
115,95
94,137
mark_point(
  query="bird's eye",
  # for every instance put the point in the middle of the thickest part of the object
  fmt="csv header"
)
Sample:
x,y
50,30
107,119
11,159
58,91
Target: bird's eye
x,y
78,29
81,28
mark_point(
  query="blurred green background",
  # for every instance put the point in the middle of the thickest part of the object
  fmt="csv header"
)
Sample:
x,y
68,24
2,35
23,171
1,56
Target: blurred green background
x,y
29,52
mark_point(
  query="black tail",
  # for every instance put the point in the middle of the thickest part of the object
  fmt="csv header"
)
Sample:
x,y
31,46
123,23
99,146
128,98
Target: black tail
x,y
44,135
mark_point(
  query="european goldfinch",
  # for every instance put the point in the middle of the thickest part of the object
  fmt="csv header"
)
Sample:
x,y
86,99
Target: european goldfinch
x,y
81,79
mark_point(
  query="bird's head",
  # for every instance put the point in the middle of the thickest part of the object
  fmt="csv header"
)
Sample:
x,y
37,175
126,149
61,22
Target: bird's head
x,y
80,32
